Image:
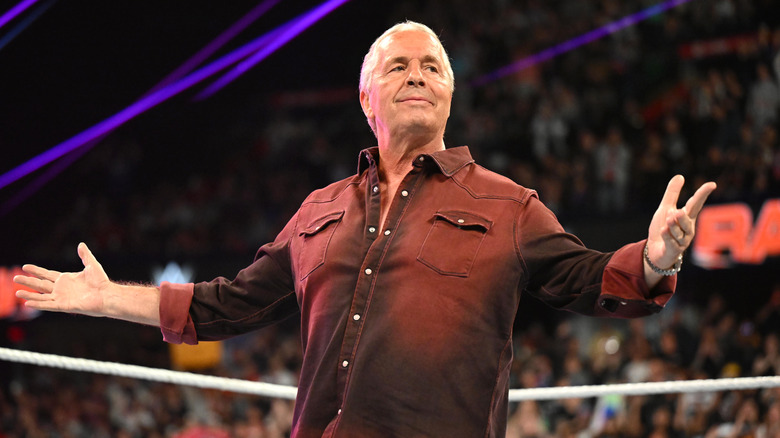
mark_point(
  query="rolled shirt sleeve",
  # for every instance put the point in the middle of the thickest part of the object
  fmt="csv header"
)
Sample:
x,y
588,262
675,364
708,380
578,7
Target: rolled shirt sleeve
x,y
175,321
624,291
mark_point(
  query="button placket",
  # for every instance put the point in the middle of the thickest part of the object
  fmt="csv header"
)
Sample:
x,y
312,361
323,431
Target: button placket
x,y
367,280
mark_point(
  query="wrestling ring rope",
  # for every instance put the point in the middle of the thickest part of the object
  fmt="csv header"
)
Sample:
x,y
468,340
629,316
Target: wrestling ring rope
x,y
288,392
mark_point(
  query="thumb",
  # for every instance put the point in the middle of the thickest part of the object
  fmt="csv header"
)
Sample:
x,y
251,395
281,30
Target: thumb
x,y
86,255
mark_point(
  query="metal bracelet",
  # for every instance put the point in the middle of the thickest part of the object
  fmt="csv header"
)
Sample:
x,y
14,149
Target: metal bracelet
x,y
665,272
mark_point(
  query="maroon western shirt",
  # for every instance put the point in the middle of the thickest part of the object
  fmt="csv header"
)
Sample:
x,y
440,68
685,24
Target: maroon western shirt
x,y
407,326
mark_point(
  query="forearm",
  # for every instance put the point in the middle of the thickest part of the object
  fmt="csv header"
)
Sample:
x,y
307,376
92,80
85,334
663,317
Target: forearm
x,y
132,302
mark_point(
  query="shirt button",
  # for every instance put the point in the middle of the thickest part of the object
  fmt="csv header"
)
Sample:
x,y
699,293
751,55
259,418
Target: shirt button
x,y
387,232
371,229
345,364
375,189
339,412
404,193
368,271
421,158
356,317
460,221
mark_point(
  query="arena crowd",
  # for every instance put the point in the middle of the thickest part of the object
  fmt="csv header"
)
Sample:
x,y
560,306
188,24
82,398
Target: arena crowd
x,y
597,131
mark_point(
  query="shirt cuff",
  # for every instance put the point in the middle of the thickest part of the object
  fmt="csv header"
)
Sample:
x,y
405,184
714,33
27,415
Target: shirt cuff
x,y
175,321
624,291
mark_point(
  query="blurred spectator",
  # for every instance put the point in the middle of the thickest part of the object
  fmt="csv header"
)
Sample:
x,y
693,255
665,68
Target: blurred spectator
x,y
613,169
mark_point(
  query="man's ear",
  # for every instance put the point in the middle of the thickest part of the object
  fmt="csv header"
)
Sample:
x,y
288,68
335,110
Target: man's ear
x,y
366,105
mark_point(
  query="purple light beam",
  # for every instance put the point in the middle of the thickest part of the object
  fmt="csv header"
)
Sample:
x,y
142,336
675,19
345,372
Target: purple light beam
x,y
288,34
177,74
578,41
24,24
203,54
55,169
16,10
148,102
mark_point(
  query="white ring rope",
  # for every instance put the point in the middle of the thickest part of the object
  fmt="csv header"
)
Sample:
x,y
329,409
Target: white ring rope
x,y
289,392
154,374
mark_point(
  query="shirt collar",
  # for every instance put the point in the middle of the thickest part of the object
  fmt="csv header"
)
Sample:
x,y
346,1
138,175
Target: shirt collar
x,y
449,161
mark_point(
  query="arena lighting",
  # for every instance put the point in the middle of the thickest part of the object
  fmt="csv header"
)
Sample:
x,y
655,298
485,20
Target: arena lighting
x,y
150,101
9,205
177,74
173,273
577,41
22,25
288,34
16,10
203,54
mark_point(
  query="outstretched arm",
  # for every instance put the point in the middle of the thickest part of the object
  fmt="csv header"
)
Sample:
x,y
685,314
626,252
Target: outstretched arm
x,y
89,292
672,229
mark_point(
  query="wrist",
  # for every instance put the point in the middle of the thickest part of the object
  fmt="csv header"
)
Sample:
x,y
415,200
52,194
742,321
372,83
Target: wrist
x,y
673,270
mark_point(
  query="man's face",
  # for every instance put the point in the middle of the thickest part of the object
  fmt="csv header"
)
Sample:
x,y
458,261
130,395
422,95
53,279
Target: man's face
x,y
409,93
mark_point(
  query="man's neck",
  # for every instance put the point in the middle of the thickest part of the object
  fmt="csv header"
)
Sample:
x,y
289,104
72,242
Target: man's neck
x,y
395,162
396,156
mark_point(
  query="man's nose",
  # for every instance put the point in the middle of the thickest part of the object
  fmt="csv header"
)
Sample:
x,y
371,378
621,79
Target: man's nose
x,y
415,77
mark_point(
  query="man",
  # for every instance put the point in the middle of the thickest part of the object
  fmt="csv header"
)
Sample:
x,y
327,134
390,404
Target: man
x,y
407,275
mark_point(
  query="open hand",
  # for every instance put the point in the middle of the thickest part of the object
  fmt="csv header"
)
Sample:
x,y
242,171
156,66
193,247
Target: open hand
x,y
75,292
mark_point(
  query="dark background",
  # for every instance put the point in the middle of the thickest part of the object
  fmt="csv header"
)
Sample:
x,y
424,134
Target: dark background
x,y
83,61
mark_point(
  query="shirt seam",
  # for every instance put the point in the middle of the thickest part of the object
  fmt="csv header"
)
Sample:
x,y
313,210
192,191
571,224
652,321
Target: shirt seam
x,y
259,312
332,199
495,387
476,196
518,250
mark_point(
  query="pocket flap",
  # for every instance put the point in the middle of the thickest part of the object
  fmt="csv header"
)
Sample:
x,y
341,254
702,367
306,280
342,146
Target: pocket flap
x,y
321,222
463,219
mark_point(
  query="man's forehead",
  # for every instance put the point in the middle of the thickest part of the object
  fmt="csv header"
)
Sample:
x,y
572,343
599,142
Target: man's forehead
x,y
403,43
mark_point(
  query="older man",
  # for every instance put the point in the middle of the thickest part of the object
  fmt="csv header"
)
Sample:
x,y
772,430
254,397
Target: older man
x,y
407,275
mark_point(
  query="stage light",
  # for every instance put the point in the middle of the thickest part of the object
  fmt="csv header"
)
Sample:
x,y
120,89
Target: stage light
x,y
164,94
578,41
24,24
287,34
16,10
197,59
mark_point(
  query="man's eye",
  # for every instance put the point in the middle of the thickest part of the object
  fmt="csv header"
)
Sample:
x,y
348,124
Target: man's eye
x,y
433,68
398,68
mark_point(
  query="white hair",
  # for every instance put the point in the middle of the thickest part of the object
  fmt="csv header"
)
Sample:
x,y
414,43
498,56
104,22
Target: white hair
x,y
370,60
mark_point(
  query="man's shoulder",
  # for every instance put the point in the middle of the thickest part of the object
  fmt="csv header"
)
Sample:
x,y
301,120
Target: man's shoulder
x,y
484,183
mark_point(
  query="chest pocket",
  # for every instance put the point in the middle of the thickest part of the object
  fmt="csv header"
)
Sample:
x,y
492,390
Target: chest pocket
x,y
315,238
453,242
